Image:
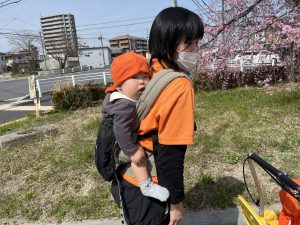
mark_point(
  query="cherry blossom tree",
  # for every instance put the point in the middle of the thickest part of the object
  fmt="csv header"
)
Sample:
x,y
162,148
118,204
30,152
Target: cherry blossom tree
x,y
250,25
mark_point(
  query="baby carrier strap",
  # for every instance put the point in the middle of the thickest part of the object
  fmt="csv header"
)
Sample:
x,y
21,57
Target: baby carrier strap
x,y
156,85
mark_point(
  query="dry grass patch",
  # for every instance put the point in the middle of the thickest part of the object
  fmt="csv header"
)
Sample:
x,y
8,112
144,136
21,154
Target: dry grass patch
x,y
53,178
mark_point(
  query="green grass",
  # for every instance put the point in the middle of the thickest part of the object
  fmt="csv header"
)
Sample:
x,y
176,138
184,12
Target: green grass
x,y
52,178
233,123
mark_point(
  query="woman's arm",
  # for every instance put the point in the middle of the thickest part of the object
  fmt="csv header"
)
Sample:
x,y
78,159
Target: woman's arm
x,y
170,167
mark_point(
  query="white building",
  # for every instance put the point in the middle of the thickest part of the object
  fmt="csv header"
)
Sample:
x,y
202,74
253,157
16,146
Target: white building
x,y
95,57
2,63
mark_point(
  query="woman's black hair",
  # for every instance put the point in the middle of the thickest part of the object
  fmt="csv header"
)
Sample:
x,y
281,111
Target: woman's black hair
x,y
171,27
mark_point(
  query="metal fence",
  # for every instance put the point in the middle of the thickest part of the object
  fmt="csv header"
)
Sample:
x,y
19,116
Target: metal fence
x,y
241,65
45,85
64,71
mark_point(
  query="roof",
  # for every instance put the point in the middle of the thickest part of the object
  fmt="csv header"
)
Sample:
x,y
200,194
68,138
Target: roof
x,y
57,15
121,37
20,53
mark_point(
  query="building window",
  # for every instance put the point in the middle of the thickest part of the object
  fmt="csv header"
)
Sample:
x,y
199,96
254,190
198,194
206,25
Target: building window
x,y
2,59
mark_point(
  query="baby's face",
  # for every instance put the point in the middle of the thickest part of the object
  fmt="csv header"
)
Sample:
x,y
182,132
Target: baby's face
x,y
134,86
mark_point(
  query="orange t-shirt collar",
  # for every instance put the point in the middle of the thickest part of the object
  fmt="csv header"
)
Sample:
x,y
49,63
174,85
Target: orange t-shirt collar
x,y
156,66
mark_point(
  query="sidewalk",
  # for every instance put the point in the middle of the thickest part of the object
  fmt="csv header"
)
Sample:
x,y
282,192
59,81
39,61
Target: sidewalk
x,y
231,216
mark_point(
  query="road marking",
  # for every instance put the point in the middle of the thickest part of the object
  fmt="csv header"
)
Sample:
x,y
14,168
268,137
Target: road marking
x,y
16,99
15,106
11,107
30,108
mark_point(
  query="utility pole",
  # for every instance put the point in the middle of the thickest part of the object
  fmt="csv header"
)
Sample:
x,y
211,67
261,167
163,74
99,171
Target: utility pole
x,y
101,41
175,3
42,41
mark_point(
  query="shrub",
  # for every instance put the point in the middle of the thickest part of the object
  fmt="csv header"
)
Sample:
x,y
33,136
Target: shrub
x,y
69,97
263,76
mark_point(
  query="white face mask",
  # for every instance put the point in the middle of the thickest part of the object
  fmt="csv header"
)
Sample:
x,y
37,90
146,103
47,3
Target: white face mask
x,y
187,61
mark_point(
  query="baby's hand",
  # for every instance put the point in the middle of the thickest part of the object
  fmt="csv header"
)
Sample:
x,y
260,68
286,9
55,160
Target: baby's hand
x,y
138,156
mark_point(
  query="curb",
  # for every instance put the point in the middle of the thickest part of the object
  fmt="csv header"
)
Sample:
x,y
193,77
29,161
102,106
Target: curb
x,y
17,137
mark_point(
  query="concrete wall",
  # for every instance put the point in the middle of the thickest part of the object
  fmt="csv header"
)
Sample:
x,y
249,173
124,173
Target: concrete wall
x,y
52,64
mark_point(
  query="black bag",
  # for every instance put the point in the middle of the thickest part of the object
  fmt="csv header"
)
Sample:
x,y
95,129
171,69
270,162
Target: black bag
x,y
105,148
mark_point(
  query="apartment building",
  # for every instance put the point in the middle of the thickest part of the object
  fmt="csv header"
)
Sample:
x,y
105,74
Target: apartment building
x,y
59,33
128,43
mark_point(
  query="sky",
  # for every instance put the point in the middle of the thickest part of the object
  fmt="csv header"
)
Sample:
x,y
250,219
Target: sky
x,y
92,17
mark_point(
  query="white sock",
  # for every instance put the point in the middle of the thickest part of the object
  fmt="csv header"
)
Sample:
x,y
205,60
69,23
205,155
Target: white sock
x,y
153,190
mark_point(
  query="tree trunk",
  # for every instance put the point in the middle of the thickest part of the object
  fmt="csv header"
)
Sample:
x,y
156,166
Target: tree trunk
x,y
291,76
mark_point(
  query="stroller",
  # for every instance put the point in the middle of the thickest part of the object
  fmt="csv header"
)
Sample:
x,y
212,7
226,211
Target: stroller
x,y
289,197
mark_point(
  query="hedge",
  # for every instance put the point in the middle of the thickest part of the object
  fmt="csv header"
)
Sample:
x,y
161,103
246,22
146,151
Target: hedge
x,y
69,97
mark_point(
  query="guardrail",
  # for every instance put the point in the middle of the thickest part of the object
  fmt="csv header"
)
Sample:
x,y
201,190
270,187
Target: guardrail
x,y
45,85
66,70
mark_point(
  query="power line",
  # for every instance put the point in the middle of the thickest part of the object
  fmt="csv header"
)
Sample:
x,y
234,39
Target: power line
x,y
204,4
4,2
209,8
22,35
15,33
119,32
116,21
10,3
201,8
18,30
96,28
26,22
19,13
122,25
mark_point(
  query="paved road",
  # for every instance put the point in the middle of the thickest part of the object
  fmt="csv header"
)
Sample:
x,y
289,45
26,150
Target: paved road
x,y
229,216
10,89
16,88
14,101
15,110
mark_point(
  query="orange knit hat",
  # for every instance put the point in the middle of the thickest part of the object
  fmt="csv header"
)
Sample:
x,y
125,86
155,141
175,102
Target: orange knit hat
x,y
126,66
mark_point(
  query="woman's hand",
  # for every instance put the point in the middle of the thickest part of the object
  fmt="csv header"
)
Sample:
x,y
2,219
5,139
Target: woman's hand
x,y
176,213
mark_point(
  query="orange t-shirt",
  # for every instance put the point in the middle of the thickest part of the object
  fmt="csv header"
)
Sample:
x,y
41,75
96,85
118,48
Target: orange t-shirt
x,y
172,115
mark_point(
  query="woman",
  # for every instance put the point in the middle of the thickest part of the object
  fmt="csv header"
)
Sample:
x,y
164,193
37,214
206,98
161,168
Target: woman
x,y
173,44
